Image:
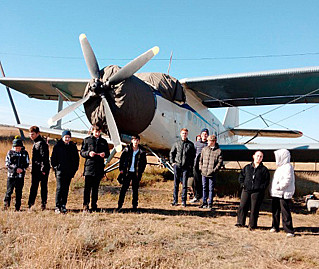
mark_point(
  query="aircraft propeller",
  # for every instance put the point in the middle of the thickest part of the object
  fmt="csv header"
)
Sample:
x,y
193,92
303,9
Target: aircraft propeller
x,y
98,87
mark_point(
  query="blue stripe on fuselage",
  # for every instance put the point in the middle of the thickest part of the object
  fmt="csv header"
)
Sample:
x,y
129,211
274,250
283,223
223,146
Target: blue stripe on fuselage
x,y
188,107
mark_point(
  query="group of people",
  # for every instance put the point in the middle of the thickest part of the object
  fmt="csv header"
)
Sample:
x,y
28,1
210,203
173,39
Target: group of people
x,y
202,160
65,162
254,180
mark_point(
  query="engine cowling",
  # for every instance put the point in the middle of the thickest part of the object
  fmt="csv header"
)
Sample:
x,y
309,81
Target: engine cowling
x,y
132,103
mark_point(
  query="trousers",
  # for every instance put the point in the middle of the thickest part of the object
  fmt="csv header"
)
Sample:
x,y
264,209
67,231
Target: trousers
x,y
282,205
17,184
180,175
62,190
135,185
208,188
91,185
252,199
36,179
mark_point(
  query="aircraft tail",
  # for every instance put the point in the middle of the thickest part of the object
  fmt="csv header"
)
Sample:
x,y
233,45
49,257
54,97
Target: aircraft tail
x,y
231,120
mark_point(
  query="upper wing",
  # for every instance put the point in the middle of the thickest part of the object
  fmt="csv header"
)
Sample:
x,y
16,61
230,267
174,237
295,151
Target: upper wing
x,y
257,88
47,89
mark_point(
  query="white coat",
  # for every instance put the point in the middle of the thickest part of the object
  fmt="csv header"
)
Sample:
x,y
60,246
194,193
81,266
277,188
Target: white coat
x,y
283,183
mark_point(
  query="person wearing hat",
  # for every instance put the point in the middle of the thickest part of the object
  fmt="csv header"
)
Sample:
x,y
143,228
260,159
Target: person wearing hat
x,y
211,160
198,185
17,161
40,168
94,149
132,166
65,162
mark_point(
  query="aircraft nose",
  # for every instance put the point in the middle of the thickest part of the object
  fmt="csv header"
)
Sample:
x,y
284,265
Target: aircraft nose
x,y
132,103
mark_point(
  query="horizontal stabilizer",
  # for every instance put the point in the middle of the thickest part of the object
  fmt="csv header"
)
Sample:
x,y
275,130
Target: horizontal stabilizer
x,y
244,152
267,133
77,136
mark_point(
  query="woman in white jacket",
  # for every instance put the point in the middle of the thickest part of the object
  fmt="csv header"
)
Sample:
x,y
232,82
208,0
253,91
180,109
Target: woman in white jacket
x,y
282,189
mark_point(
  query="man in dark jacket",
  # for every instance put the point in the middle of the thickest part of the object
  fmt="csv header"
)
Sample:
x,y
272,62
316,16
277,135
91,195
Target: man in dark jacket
x,y
94,150
40,168
132,166
198,185
210,162
182,157
65,161
254,179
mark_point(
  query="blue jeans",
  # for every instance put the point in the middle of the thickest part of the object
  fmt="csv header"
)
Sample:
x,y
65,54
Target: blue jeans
x,y
208,187
180,174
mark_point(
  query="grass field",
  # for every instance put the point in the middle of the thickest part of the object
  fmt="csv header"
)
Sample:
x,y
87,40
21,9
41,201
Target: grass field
x,y
158,236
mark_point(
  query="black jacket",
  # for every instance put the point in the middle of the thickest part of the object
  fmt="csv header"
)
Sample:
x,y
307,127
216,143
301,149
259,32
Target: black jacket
x,y
40,156
183,154
254,179
139,163
15,160
94,166
65,159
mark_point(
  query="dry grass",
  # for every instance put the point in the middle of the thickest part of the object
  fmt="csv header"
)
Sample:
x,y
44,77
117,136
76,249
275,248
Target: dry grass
x,y
158,237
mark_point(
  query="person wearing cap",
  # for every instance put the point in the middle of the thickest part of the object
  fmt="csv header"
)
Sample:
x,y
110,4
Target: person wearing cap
x,y
211,160
198,185
281,191
181,157
94,149
65,162
254,179
132,165
40,168
17,161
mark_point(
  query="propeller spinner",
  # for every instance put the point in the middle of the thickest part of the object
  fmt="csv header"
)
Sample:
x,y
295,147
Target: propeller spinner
x,y
98,88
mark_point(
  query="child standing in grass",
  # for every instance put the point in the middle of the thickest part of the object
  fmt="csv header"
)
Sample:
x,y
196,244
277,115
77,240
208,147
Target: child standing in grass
x,y
17,161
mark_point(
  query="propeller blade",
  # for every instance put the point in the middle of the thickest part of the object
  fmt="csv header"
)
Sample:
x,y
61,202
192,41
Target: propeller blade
x,y
115,136
133,66
89,57
68,109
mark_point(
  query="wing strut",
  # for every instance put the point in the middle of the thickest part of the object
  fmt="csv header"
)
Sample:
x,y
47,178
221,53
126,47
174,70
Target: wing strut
x,y
12,104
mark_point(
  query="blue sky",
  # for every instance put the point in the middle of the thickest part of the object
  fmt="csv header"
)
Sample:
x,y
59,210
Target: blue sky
x,y
40,39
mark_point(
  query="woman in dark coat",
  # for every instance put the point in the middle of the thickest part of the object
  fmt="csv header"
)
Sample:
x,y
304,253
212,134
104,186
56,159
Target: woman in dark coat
x,y
254,180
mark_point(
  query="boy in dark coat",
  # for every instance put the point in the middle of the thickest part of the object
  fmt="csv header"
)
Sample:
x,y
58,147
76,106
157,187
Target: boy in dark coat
x,y
94,150
17,161
40,167
65,161
254,179
182,157
132,166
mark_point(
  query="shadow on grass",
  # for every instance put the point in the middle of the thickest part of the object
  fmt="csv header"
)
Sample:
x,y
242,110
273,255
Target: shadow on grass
x,y
303,230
